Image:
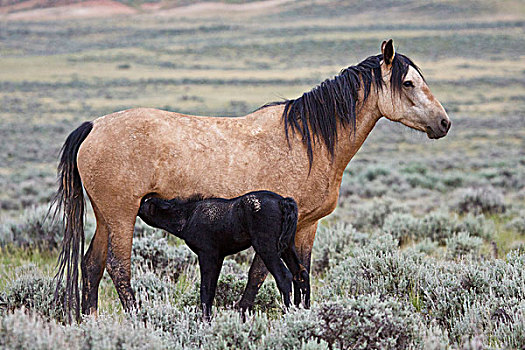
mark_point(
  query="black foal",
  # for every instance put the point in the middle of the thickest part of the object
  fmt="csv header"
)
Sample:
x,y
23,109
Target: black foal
x,y
216,227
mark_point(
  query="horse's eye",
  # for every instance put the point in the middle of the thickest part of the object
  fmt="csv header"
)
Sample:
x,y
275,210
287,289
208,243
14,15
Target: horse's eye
x,y
408,83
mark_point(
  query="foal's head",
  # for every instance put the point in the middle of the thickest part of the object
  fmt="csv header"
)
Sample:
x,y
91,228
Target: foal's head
x,y
169,215
406,97
153,209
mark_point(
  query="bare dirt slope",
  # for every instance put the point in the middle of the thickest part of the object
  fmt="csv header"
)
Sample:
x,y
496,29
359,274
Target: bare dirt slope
x,y
35,10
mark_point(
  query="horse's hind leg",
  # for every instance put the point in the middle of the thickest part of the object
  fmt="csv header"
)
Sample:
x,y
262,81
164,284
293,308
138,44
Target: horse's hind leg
x,y
119,258
93,264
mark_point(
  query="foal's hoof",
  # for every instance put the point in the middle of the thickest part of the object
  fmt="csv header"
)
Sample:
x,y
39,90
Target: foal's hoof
x,y
301,277
243,308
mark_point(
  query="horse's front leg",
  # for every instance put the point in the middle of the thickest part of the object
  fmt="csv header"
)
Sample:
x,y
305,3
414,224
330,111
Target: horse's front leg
x,y
210,266
304,241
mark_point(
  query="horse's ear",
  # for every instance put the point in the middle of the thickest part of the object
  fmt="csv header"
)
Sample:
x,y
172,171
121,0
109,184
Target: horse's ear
x,y
388,51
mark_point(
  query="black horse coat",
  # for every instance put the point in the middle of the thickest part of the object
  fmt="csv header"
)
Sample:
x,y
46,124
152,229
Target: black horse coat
x,y
215,227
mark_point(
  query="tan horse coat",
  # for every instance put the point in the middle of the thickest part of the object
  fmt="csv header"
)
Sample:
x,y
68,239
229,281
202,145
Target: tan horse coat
x,y
136,152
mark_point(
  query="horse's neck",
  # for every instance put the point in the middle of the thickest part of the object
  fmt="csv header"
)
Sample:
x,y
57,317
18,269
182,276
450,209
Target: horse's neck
x,y
349,142
318,189
329,175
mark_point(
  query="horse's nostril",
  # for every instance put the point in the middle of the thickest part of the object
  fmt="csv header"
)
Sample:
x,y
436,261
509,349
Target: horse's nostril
x,y
445,124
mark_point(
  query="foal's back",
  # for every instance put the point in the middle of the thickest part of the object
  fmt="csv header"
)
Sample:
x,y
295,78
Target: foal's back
x,y
232,225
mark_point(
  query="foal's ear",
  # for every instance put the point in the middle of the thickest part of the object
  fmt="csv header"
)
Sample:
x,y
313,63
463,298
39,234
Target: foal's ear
x,y
388,51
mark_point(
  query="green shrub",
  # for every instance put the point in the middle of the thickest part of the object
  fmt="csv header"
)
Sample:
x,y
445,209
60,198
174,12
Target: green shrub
x,y
463,297
230,288
108,332
376,297
424,181
517,224
228,331
371,215
24,330
426,246
232,267
229,291
183,326
510,332
331,245
373,172
33,291
149,286
486,200
375,268
32,230
476,226
401,226
437,226
296,329
165,259
367,322
463,245
372,181
243,257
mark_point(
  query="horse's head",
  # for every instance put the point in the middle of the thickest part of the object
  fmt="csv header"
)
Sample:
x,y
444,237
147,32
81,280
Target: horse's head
x,y
406,98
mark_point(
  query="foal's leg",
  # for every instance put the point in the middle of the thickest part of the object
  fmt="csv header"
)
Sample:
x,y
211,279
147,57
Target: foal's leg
x,y
304,239
256,277
299,272
267,250
210,266
93,264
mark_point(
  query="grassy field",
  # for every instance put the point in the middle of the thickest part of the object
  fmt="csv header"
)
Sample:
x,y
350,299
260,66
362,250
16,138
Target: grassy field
x,y
425,249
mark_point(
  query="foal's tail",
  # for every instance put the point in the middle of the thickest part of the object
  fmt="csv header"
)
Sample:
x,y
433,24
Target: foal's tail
x,y
288,224
69,199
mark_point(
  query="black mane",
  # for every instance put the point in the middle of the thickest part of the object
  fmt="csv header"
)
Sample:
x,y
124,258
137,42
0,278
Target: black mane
x,y
316,114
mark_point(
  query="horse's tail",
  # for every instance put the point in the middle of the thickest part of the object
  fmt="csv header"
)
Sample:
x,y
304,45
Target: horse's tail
x,y
288,223
69,200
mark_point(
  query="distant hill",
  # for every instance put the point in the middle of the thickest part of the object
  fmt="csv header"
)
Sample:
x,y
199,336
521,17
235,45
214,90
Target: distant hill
x,y
50,10
20,5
